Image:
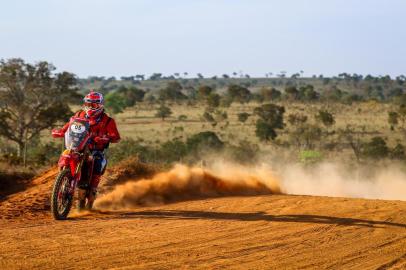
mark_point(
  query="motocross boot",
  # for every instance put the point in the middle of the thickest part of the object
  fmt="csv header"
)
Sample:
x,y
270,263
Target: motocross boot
x,y
81,199
93,191
91,198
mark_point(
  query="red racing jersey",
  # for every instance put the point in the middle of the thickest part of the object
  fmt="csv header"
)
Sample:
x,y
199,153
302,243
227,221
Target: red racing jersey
x,y
104,126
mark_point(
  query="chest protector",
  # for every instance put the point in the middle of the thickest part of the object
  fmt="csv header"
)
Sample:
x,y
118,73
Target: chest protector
x,y
98,126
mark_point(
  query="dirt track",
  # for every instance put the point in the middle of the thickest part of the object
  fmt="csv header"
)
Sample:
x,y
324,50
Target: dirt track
x,y
260,232
257,232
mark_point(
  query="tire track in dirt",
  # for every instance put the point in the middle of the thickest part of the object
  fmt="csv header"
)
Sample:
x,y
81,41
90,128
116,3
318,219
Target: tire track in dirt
x,y
243,232
232,232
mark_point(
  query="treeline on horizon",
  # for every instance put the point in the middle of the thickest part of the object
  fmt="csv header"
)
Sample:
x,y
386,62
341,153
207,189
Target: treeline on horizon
x,y
345,87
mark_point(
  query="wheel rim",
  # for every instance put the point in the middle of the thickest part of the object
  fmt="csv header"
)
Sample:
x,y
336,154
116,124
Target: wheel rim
x,y
63,198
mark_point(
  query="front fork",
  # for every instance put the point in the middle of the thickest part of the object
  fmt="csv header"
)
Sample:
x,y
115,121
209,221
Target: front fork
x,y
76,169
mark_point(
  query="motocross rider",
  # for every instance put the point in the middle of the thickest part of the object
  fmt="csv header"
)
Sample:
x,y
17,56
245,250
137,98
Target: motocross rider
x,y
104,131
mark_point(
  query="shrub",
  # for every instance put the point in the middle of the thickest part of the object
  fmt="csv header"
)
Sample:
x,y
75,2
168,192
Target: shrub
x,y
271,118
309,157
271,114
243,117
115,102
128,148
244,152
43,154
163,112
208,117
202,141
172,151
398,152
213,100
393,119
264,131
375,149
325,117
182,117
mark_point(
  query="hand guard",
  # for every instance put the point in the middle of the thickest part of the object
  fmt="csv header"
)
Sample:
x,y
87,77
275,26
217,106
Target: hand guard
x,y
57,133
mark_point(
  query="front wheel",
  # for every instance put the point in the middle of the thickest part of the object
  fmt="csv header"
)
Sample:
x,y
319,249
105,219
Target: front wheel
x,y
61,199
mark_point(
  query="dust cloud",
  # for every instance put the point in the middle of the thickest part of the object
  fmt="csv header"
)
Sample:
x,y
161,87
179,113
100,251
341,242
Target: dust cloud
x,y
188,183
225,179
329,179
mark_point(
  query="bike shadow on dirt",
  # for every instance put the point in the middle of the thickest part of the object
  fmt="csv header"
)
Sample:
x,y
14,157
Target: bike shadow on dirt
x,y
248,216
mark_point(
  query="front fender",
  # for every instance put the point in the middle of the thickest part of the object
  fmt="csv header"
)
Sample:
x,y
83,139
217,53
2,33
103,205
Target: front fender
x,y
68,160
64,159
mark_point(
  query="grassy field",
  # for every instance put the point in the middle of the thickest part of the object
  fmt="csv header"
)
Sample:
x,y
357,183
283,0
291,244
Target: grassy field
x,y
140,122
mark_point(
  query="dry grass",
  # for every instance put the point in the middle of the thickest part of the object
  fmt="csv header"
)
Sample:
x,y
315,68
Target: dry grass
x,y
367,117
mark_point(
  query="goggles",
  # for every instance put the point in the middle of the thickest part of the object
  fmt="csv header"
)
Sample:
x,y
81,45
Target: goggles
x,y
93,105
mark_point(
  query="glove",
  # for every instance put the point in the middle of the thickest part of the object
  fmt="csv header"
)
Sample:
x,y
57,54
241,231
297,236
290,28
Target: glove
x,y
101,140
57,133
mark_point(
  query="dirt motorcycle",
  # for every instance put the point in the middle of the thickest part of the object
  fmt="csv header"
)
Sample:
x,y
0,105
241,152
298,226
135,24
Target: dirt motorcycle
x,y
72,160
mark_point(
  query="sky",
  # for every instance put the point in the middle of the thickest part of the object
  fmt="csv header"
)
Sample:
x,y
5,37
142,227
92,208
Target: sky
x,y
212,37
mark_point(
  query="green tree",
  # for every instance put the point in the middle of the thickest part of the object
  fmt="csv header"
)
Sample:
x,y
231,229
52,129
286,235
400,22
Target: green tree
x,y
243,117
115,102
206,140
213,100
375,149
291,92
271,114
155,76
307,93
32,98
333,94
270,118
208,117
150,98
238,93
172,92
393,119
264,131
270,94
204,91
173,151
325,117
132,95
163,112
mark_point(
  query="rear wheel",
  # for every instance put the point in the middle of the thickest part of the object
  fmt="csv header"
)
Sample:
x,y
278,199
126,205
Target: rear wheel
x,y
61,199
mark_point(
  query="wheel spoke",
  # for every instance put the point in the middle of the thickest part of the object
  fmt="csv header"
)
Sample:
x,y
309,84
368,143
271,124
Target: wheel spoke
x,y
62,196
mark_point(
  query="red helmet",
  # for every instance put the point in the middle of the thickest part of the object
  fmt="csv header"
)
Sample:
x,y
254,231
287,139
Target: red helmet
x,y
93,105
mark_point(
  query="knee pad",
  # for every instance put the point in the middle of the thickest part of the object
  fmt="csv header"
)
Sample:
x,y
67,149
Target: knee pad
x,y
99,165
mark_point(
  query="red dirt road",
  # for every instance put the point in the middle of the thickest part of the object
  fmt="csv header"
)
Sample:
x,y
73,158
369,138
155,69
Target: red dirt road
x,y
257,232
262,232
